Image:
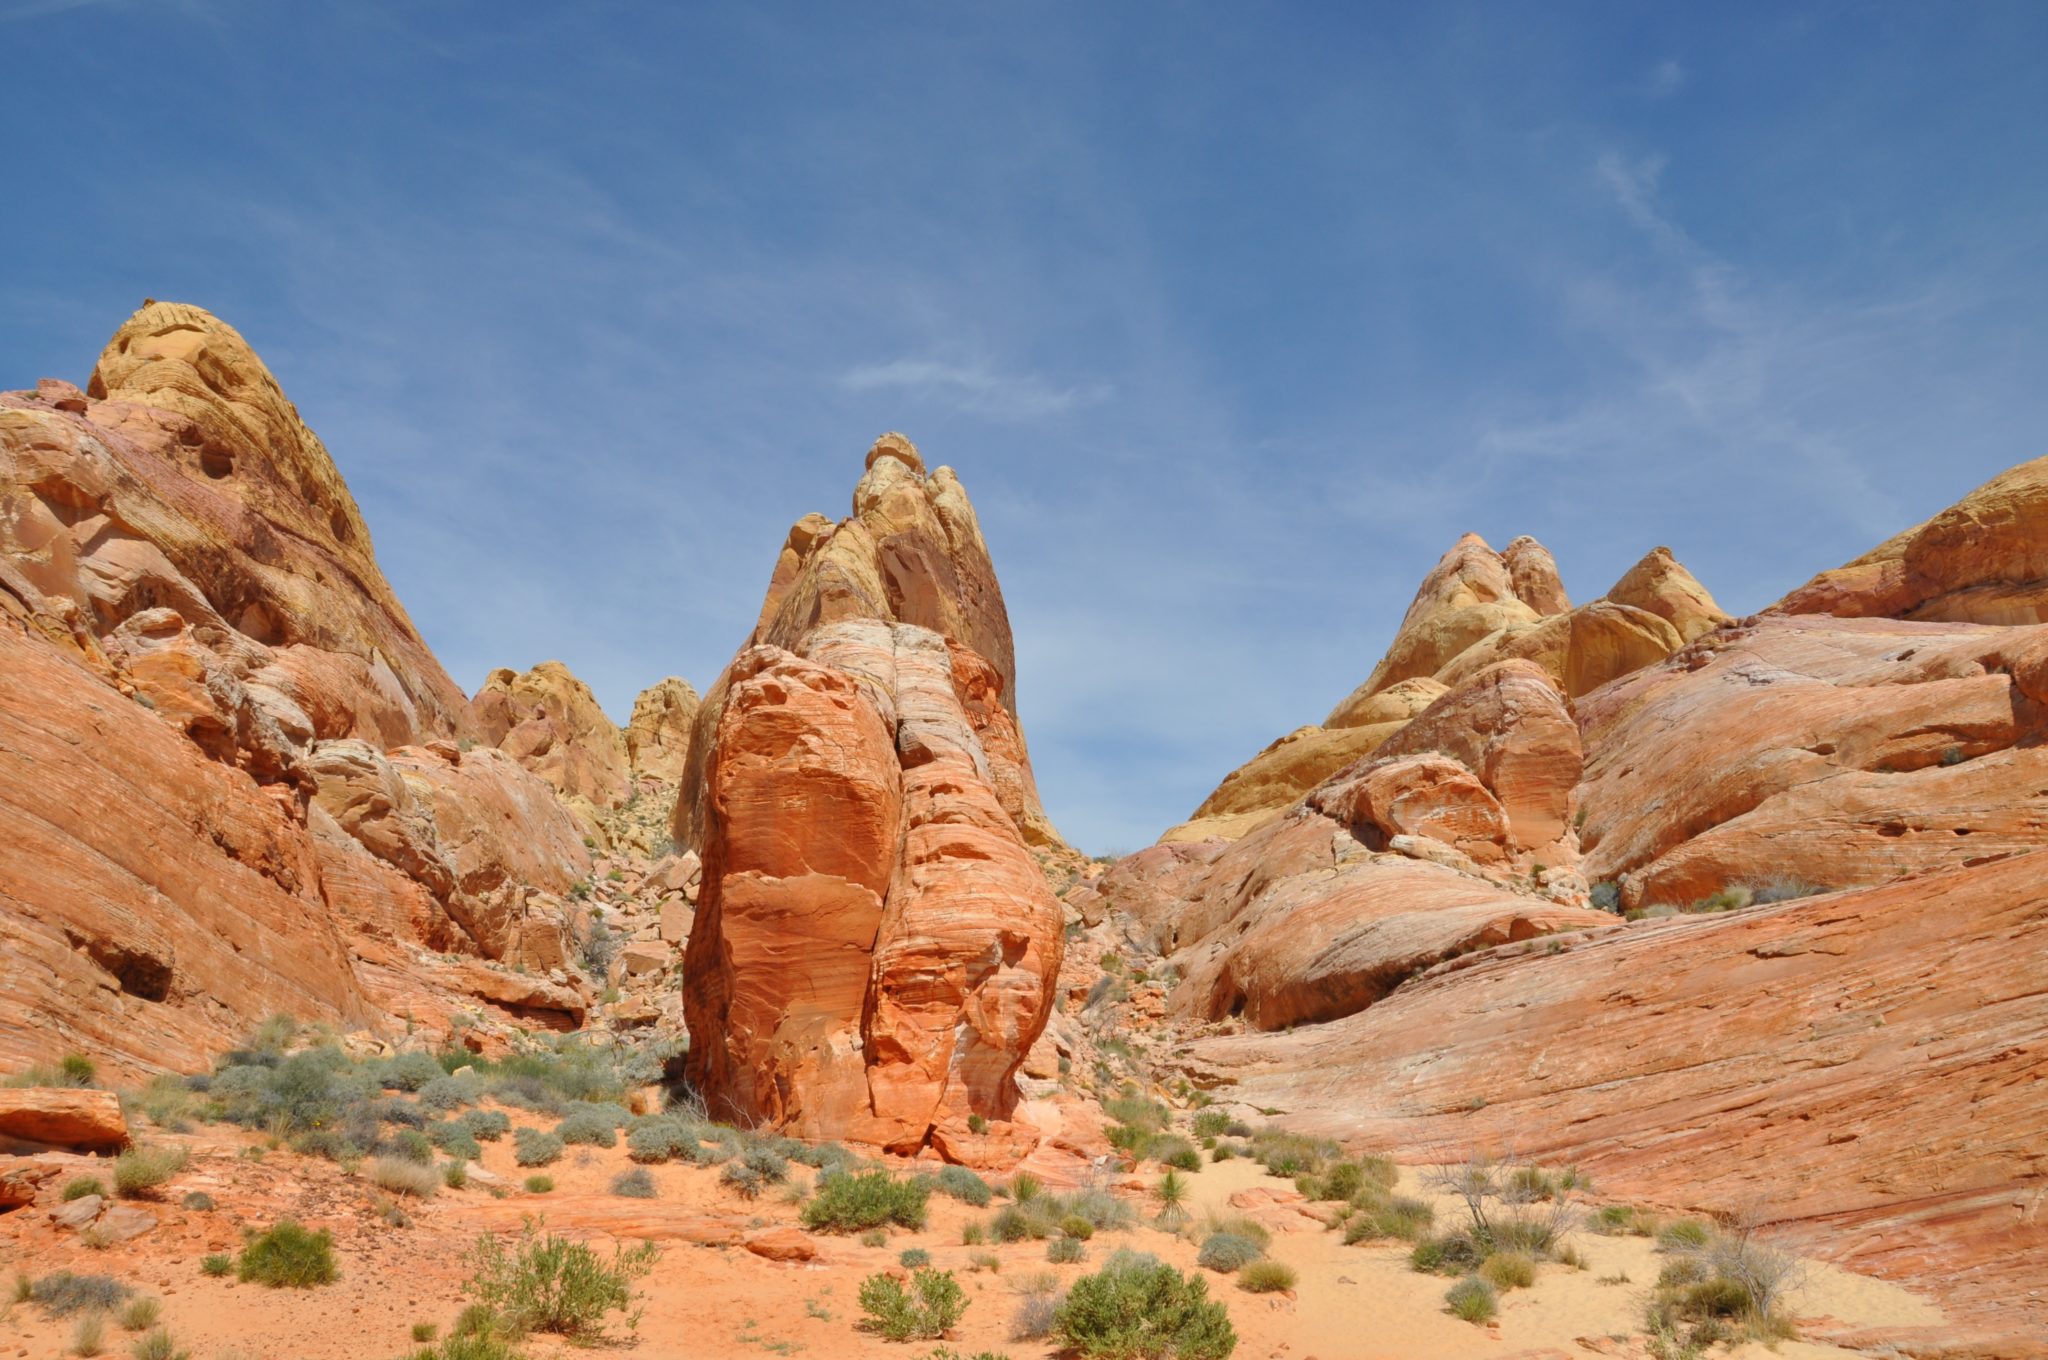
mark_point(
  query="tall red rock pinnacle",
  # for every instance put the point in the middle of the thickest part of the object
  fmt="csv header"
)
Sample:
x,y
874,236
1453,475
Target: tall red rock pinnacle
x,y
875,946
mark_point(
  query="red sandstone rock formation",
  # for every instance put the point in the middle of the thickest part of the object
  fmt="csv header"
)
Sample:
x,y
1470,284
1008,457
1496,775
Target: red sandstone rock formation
x,y
1982,560
911,552
875,948
63,1118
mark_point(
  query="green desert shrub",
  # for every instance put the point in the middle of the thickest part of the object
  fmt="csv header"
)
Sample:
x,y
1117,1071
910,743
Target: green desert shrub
x,y
78,1187
486,1126
855,1203
455,1140
1508,1270
1451,1253
1473,1299
1266,1277
159,1345
915,1258
1687,1234
1139,1308
964,1185
539,1185
1064,1251
448,1094
140,1171
1400,1218
544,1283
410,1145
217,1264
287,1257
661,1138
1211,1124
1226,1252
139,1315
588,1126
531,1147
925,1310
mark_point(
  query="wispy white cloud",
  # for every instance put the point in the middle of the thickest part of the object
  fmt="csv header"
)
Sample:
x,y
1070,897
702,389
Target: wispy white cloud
x,y
1667,78
975,387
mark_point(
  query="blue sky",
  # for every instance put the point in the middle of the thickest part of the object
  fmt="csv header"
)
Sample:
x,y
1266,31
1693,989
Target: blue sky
x,y
1231,317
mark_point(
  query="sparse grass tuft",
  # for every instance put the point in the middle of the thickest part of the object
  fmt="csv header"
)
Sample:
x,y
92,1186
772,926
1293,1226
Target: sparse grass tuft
x,y
401,1177
139,1171
288,1257
1474,1300
1266,1277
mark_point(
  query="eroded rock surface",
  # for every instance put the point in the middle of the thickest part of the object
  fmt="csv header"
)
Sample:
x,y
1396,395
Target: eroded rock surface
x,y
550,722
658,737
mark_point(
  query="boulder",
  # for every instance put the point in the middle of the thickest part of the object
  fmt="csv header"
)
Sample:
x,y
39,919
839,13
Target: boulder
x,y
782,1244
88,1121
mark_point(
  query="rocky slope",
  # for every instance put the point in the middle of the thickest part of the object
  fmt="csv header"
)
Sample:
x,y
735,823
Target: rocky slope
x,y
874,942
1476,608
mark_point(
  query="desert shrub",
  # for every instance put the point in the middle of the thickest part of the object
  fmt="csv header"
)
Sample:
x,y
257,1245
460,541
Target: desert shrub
x,y
1025,1187
455,1140
408,1072
1035,1316
1619,1220
411,1145
1227,1252
964,1185
1223,1152
1607,897
1527,1183
447,1094
875,1237
402,1177
139,1171
539,1185
198,1200
329,1144
660,1138
159,1345
287,1257
217,1264
1266,1277
1401,1218
854,1203
924,1311
168,1103
1790,889
546,1283
915,1258
78,1187
1288,1155
486,1126
634,1184
1473,1299
1687,1234
972,1235
139,1315
1451,1253
1728,899
531,1147
1172,1193
1077,1226
1139,1308
587,1126
455,1175
402,1113
1177,1153
1211,1124
88,1338
1012,1224
743,1178
1508,1270
1063,1251
66,1292
766,1162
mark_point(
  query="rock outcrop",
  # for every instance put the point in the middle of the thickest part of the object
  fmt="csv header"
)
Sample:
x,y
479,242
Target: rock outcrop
x,y
1475,609
1862,1068
62,1117
875,948
1982,560
1808,752
658,736
550,722
912,552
